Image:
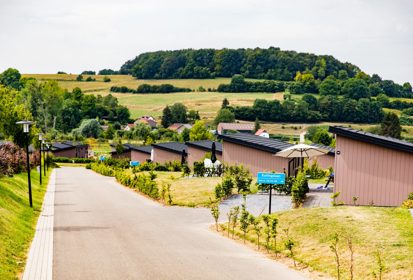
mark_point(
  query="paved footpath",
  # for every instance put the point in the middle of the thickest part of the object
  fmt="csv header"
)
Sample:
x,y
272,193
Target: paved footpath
x,y
103,230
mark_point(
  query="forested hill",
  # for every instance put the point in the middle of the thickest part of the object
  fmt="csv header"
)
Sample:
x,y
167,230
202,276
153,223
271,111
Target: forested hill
x,y
272,64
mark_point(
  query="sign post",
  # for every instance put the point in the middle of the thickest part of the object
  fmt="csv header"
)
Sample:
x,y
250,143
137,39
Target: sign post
x,y
266,178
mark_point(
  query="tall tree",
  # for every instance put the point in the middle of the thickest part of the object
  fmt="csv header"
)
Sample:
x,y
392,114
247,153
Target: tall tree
x,y
199,132
355,89
390,126
179,113
167,118
225,103
11,78
329,86
224,115
257,125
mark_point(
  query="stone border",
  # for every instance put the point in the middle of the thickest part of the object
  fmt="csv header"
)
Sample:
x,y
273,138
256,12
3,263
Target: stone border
x,y
39,264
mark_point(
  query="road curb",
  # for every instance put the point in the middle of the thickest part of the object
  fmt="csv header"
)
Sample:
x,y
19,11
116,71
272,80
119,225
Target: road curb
x,y
39,264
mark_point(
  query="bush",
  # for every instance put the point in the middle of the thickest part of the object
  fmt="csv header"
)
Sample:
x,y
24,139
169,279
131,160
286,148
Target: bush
x,y
224,189
409,202
299,189
315,172
242,178
72,160
103,169
199,169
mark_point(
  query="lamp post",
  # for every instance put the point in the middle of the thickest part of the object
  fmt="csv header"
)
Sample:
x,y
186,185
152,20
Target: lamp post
x,y
48,145
44,157
26,131
41,143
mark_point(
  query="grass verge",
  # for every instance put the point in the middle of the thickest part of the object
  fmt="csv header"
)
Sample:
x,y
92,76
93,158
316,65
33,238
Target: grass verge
x,y
372,229
18,221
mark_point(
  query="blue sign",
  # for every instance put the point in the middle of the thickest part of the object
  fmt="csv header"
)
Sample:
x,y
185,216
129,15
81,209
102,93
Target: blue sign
x,y
102,158
271,178
134,163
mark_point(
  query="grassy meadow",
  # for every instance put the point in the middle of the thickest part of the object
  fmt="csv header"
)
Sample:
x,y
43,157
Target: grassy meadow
x,y
372,229
207,103
18,221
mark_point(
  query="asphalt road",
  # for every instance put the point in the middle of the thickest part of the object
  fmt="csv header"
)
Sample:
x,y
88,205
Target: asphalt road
x,y
105,231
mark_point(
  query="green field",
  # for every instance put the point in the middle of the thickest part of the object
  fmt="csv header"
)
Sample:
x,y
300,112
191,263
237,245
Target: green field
x,y
372,229
207,103
17,221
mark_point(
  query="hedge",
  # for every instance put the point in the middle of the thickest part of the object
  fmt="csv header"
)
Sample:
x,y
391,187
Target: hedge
x,y
72,160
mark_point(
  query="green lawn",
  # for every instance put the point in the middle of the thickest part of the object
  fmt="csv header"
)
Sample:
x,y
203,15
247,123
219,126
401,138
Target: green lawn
x,y
17,221
389,230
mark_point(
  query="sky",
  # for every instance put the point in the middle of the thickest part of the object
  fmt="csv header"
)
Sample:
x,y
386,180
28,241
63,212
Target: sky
x,y
46,36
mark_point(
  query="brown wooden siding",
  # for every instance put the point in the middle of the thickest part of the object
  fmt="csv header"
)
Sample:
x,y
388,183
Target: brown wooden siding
x,y
79,152
195,154
162,156
123,155
377,175
324,162
139,156
253,159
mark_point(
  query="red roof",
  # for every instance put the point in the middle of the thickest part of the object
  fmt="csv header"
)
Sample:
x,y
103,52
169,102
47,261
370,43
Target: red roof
x,y
260,131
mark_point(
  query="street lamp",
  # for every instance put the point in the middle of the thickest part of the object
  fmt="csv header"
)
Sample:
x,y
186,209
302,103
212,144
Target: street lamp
x,y
44,157
41,144
26,130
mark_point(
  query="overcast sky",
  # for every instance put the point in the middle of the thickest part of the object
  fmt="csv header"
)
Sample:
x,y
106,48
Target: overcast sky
x,y
45,36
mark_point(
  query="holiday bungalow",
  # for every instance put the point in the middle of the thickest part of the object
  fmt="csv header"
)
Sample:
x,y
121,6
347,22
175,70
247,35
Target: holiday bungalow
x,y
169,151
223,128
256,153
70,149
198,149
133,153
179,127
372,169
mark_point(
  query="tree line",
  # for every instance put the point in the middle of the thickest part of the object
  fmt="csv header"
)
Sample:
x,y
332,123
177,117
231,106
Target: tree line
x,y
258,63
51,107
361,86
310,110
146,88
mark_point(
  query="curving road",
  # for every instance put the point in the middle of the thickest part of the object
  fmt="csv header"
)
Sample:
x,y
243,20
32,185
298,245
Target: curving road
x,y
105,231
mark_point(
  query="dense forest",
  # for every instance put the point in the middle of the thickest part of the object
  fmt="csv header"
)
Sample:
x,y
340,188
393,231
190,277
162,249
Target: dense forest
x,y
306,72
271,64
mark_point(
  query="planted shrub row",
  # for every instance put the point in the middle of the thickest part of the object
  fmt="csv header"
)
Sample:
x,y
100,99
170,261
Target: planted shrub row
x,y
72,160
146,88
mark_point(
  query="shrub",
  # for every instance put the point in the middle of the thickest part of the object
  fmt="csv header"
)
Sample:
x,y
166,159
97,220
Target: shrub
x,y
186,171
409,202
103,169
199,169
299,189
72,160
315,171
242,178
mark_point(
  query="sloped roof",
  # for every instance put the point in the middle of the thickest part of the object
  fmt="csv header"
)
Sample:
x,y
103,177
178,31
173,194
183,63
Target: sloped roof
x,y
387,142
256,142
259,131
128,147
174,147
144,149
235,126
331,150
58,146
205,145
